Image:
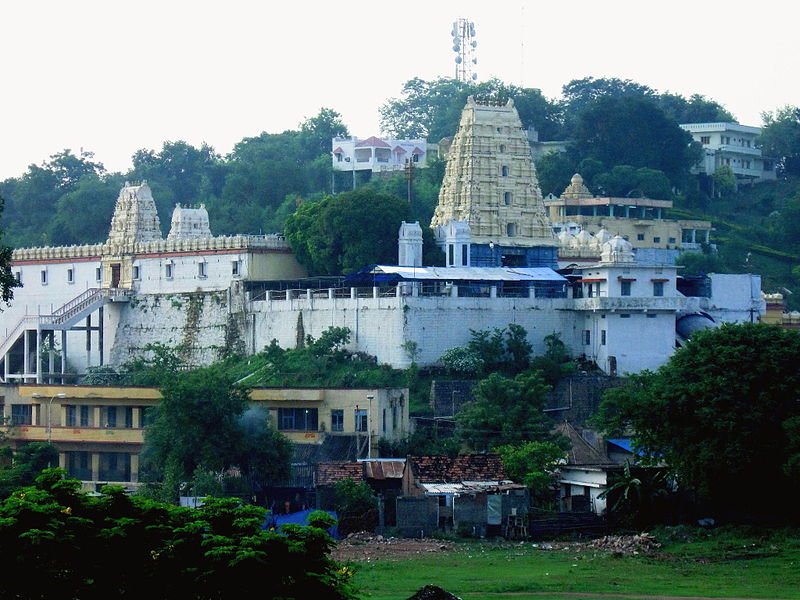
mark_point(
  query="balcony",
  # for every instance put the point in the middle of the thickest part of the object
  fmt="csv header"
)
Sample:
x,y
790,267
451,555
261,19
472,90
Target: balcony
x,y
630,304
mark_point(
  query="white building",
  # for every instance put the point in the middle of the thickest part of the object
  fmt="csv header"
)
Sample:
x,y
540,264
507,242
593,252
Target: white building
x,y
732,145
89,293
378,154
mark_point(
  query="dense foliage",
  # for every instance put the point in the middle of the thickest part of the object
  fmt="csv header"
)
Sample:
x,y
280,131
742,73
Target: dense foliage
x,y
203,426
505,411
60,543
724,414
7,280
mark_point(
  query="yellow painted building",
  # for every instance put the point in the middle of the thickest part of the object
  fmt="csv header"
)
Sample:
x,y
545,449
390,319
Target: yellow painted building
x,y
99,430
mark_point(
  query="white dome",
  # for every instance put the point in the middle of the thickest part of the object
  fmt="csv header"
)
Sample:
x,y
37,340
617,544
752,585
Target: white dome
x,y
584,238
617,249
602,236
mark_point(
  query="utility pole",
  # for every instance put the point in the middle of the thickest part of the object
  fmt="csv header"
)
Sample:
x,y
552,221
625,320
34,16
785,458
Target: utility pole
x,y
409,169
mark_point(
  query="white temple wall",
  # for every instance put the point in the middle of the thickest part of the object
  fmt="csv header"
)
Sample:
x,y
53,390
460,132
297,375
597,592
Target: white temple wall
x,y
381,326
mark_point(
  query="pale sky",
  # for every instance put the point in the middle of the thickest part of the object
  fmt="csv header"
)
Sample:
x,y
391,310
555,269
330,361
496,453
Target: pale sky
x,y
114,76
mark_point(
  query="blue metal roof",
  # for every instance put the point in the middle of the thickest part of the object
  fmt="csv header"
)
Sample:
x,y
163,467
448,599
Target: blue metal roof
x,y
624,443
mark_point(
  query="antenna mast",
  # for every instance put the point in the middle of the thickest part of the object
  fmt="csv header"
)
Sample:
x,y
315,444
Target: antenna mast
x,y
464,45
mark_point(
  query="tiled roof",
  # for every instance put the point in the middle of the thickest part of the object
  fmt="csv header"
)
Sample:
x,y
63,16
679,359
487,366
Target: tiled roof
x,y
417,150
338,150
329,473
372,142
466,467
399,150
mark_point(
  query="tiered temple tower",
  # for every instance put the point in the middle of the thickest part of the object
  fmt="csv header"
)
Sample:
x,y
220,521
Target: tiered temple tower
x,y
490,185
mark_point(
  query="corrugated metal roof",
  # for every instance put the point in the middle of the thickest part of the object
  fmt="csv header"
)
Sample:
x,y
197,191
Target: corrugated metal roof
x,y
471,273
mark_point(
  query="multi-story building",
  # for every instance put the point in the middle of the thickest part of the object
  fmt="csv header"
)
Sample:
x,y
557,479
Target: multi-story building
x,y
378,154
734,146
583,222
99,430
72,310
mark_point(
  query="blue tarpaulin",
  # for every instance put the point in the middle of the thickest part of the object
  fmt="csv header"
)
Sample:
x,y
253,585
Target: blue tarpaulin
x,y
297,518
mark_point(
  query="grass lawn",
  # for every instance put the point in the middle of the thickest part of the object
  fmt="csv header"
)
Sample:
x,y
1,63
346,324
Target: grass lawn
x,y
720,564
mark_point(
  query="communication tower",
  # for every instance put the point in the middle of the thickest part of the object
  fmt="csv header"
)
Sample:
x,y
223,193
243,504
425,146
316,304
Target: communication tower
x,y
464,45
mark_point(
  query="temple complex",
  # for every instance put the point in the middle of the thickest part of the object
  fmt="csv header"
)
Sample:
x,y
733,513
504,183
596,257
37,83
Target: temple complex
x,y
490,211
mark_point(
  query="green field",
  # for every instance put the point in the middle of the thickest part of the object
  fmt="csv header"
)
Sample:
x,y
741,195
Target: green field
x,y
692,564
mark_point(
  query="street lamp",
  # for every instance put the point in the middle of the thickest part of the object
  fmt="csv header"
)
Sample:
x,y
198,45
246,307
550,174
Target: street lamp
x,y
49,414
369,426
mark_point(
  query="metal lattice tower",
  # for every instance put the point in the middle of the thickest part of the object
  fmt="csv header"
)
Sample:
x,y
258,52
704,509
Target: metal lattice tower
x,y
464,45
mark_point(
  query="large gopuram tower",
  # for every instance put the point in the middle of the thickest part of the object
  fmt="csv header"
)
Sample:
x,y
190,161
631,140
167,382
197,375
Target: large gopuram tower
x,y
490,189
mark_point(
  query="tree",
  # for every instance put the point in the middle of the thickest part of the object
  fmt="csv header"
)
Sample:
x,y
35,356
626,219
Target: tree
x,y
505,411
432,109
722,413
199,427
356,506
780,138
7,280
62,543
533,464
342,233
554,171
634,131
317,132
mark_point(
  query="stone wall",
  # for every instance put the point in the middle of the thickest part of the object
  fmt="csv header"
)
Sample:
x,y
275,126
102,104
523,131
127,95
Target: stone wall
x,y
381,326
577,398
199,322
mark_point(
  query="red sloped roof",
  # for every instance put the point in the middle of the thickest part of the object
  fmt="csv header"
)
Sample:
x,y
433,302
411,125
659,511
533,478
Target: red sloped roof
x,y
328,473
417,150
466,467
372,142
338,150
399,150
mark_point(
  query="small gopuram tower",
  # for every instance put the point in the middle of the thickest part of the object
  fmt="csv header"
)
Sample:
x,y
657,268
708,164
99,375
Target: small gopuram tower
x,y
490,185
135,221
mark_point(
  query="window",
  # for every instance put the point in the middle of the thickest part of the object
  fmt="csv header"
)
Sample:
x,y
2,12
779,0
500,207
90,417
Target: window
x,y
624,316
705,139
98,274
234,268
504,171
72,416
79,465
297,419
464,256
108,416
44,276
656,240
337,420
21,414
511,229
202,268
450,254
70,275
394,416
128,410
587,337
658,288
507,198
672,240
136,272
168,270
115,466
602,337
18,276
640,237
77,416
625,288
383,421
361,420
651,315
